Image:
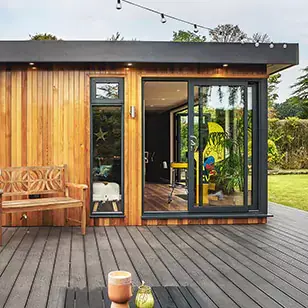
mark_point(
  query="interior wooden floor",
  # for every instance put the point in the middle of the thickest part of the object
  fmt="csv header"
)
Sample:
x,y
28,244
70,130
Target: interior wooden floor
x,y
243,266
156,198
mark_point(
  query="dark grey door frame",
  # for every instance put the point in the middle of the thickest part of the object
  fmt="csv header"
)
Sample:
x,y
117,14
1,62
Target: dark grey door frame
x,y
191,182
260,122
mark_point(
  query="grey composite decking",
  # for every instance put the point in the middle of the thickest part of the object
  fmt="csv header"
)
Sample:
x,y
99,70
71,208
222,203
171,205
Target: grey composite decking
x,y
228,266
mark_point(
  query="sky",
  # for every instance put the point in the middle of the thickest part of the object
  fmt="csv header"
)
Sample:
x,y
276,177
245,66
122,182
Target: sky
x,y
282,20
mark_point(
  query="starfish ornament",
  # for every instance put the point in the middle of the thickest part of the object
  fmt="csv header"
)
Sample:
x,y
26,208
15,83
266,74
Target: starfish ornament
x,y
101,135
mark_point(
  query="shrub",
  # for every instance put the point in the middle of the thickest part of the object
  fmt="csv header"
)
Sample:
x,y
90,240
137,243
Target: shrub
x,y
290,137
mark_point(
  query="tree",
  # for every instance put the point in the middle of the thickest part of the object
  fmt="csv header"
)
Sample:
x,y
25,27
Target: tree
x,y
272,95
292,107
116,37
301,88
301,91
43,37
187,36
261,38
228,33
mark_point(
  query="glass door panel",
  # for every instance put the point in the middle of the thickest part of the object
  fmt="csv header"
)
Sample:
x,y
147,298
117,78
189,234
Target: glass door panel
x,y
218,148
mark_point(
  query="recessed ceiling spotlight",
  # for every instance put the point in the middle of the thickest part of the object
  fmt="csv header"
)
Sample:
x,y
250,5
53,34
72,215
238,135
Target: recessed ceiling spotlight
x,y
31,63
225,65
129,64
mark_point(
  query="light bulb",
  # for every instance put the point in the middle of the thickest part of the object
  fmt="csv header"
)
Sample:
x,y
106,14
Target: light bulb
x,y
285,45
163,19
271,45
257,44
119,5
196,29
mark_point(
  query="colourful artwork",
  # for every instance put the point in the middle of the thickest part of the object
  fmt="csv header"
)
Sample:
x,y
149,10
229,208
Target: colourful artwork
x,y
209,168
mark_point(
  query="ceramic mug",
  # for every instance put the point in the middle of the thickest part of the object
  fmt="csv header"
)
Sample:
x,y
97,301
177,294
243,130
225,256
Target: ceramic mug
x,y
120,286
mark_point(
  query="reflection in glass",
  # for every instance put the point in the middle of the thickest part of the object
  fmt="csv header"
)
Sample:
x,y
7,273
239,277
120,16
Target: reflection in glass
x,y
107,90
219,149
106,172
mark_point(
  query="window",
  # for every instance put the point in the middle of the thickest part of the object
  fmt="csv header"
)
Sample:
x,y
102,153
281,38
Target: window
x,y
107,90
107,147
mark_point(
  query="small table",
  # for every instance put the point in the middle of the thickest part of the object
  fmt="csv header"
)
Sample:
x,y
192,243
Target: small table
x,y
165,297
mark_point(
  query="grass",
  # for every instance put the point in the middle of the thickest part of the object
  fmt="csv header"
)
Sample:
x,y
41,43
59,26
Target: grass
x,y
290,190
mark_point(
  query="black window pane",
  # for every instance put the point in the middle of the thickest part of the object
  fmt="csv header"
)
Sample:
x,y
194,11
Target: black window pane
x,y
106,172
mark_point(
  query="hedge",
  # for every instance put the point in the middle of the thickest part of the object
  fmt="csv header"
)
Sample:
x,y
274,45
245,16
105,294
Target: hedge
x,y
288,143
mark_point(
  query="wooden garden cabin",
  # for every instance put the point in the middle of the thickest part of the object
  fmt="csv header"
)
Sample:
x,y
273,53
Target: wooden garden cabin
x,y
161,132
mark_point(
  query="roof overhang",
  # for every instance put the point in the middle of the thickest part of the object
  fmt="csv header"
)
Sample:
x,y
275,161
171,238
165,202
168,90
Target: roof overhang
x,y
276,59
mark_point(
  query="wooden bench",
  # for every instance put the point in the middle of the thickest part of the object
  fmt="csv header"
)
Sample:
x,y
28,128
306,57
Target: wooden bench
x,y
39,189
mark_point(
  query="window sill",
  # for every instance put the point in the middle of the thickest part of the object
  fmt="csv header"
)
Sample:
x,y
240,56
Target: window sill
x,y
187,215
108,215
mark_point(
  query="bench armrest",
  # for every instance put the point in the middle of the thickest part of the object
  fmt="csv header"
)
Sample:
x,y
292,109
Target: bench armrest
x,y
71,188
73,185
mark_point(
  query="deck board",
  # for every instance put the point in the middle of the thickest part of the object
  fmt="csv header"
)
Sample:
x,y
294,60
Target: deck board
x,y
225,266
121,255
60,277
211,266
93,262
41,284
14,267
20,292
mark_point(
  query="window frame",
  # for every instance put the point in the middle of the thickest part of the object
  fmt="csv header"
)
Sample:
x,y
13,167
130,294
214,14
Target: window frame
x,y
95,81
94,102
259,208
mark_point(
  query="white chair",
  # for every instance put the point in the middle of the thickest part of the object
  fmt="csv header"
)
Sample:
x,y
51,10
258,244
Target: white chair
x,y
106,191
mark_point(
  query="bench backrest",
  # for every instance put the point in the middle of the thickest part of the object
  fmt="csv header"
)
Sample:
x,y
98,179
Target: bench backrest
x,y
24,181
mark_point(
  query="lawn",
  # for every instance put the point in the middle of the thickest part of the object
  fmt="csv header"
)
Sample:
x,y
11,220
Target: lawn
x,y
290,190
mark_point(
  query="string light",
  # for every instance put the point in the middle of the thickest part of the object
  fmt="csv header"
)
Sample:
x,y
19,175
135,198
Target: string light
x,y
195,26
163,19
163,16
119,5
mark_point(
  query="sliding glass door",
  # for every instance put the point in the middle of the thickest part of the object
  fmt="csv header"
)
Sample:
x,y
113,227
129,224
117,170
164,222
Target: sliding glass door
x,y
201,146
219,147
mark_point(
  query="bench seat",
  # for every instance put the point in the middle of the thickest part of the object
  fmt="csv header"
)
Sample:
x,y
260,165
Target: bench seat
x,y
40,204
23,183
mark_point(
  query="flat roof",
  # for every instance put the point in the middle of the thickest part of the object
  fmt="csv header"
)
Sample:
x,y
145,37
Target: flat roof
x,y
276,58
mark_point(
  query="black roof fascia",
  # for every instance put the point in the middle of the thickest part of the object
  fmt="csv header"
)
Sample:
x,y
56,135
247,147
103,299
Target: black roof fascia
x,y
146,52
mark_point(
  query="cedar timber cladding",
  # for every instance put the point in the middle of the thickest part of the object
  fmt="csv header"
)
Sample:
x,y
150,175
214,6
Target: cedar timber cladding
x,y
45,120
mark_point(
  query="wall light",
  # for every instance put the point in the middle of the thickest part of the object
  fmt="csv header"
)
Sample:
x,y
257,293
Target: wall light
x,y
132,112
129,64
31,63
225,65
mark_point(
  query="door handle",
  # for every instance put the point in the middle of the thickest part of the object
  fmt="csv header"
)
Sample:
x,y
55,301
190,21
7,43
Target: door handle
x,y
193,141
